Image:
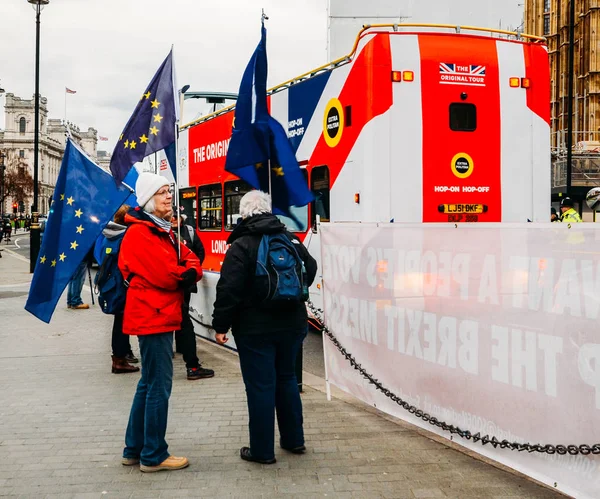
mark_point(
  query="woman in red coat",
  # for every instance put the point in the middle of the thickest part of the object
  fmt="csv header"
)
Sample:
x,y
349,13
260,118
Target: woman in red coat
x,y
158,269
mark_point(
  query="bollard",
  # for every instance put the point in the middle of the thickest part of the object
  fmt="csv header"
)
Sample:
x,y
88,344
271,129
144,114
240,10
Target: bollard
x,y
34,241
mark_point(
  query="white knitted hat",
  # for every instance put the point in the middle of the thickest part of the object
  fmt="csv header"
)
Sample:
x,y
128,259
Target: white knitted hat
x,y
147,185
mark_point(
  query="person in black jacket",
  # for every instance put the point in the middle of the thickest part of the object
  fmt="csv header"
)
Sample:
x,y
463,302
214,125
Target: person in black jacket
x,y
268,337
185,339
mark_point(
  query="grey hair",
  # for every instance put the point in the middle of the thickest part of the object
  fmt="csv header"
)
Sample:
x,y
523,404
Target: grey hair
x,y
150,206
255,203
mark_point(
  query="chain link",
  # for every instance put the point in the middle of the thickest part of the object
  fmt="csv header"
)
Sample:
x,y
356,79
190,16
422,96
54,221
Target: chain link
x,y
572,450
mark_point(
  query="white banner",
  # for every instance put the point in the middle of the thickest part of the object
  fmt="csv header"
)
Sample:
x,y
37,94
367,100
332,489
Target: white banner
x,y
492,328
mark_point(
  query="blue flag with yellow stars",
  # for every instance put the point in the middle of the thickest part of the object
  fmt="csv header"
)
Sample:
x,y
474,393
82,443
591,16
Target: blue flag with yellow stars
x,y
151,126
85,199
259,146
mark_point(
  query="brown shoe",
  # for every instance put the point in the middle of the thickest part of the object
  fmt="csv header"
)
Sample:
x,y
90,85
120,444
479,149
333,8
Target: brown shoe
x,y
81,306
121,366
130,461
171,463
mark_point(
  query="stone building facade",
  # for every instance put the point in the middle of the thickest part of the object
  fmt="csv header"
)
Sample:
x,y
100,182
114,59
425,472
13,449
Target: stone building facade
x,y
17,144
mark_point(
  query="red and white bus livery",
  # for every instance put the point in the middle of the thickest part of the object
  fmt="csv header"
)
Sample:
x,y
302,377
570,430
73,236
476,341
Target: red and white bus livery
x,y
416,124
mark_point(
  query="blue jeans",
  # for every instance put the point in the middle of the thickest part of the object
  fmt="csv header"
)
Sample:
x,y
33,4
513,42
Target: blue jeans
x,y
76,285
145,436
268,363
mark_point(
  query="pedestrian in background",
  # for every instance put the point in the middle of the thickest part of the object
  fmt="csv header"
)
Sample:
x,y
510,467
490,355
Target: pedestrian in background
x,y
268,336
185,339
122,355
569,215
159,269
74,300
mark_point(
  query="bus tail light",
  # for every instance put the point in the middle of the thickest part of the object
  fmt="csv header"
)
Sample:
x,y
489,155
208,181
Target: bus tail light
x,y
515,82
525,83
398,76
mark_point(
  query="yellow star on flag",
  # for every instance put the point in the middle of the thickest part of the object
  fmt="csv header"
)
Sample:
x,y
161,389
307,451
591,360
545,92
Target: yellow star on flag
x,y
258,166
62,257
62,197
158,118
132,144
78,213
121,137
155,104
143,139
80,229
70,200
53,263
154,130
126,144
43,259
147,95
74,245
278,171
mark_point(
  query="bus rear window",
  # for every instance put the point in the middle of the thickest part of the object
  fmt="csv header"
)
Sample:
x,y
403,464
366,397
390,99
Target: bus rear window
x,y
463,117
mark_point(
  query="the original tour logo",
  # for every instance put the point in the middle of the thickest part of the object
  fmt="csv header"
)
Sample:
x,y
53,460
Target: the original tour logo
x,y
462,74
333,122
462,165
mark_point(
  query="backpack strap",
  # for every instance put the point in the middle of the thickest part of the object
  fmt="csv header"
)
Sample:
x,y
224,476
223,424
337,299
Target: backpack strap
x,y
127,281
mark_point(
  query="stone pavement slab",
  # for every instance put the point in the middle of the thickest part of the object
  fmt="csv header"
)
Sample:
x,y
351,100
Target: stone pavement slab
x,y
63,418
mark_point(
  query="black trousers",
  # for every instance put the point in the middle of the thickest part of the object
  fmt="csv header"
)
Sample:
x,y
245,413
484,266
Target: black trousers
x,y
120,341
185,340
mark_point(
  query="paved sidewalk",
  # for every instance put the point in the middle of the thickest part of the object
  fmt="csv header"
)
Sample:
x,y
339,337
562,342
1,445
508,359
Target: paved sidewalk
x,y
63,417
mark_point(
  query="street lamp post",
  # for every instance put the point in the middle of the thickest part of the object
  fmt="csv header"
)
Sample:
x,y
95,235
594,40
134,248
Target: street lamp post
x,y
2,170
34,233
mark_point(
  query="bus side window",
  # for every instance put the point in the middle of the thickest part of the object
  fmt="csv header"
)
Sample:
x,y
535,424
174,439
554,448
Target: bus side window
x,y
187,205
319,183
234,191
298,222
210,207
463,117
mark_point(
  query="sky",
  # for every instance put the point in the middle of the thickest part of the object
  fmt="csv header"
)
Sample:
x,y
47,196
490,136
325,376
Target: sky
x,y
108,50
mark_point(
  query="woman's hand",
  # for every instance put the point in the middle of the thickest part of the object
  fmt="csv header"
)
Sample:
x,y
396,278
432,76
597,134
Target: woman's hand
x,y
221,338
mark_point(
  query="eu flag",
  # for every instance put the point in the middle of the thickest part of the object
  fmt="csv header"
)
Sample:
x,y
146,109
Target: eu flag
x,y
85,199
259,148
151,126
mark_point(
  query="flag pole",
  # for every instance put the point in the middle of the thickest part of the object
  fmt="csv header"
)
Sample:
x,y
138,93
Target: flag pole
x,y
177,103
65,106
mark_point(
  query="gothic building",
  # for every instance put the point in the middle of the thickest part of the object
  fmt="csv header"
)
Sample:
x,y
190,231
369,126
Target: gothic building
x,y
17,144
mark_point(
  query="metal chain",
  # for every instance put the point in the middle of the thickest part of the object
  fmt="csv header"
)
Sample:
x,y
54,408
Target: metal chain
x,y
560,449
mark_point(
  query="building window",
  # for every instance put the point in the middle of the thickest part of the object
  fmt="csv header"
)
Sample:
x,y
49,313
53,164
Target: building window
x,y
21,153
210,207
463,117
22,125
546,24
